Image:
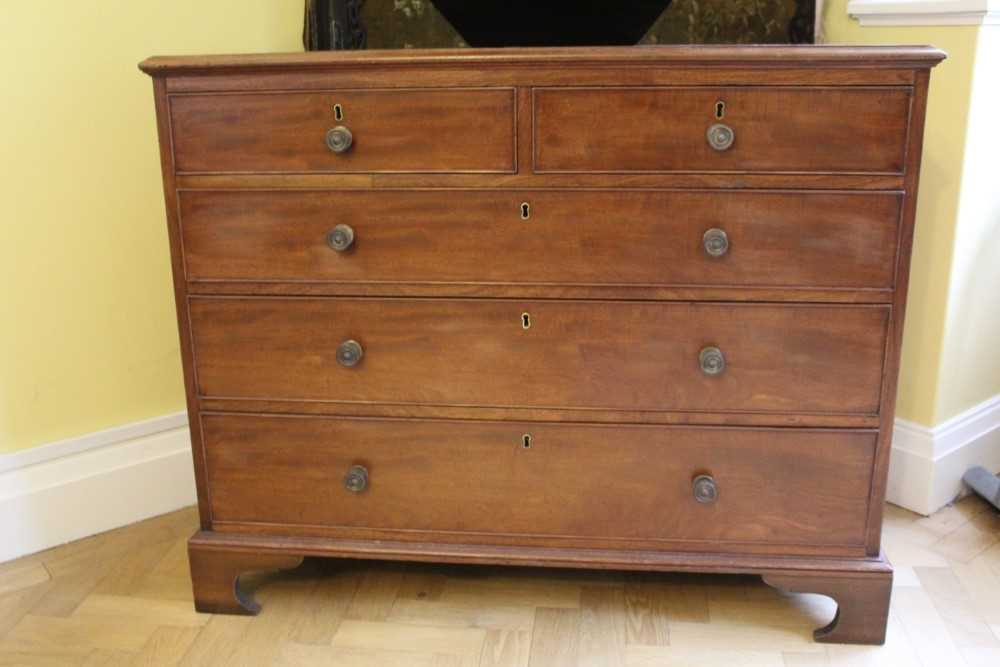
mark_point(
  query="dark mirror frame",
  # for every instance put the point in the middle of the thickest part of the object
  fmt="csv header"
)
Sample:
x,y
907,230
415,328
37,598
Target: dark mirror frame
x,y
332,25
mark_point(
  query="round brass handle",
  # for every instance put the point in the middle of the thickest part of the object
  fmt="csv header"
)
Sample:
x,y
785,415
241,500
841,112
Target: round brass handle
x,y
349,353
356,479
711,360
705,489
720,137
340,238
339,139
716,242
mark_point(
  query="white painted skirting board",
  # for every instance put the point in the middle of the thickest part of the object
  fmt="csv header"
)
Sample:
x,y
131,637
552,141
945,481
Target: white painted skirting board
x,y
82,486
925,472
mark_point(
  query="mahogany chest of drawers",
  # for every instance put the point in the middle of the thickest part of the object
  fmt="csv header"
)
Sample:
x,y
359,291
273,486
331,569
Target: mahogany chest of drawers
x,y
633,308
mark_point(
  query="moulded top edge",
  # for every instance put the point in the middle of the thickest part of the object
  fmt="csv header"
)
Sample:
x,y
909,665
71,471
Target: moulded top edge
x,y
765,56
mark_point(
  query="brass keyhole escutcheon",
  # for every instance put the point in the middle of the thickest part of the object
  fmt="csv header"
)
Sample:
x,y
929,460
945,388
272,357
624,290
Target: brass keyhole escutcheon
x,y
338,112
720,110
525,321
526,441
525,210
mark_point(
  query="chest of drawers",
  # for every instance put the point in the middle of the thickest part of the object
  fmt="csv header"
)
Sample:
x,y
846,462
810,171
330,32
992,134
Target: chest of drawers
x,y
613,308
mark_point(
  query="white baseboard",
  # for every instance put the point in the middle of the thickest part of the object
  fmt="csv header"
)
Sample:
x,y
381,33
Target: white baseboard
x,y
927,464
56,493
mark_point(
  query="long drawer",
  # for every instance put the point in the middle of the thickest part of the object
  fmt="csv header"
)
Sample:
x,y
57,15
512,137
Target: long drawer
x,y
569,354
786,129
576,481
409,130
749,239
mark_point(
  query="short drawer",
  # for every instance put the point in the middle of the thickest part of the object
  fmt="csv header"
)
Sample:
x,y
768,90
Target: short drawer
x,y
538,354
769,129
455,130
786,486
636,238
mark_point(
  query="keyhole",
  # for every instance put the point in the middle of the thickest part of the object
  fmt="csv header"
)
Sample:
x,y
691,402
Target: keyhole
x,y
525,211
720,109
525,321
526,441
338,112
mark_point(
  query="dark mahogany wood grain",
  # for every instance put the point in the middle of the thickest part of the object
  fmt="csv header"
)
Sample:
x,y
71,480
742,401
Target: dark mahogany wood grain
x,y
890,366
346,75
860,586
527,179
469,130
735,58
561,414
609,482
618,559
728,293
180,297
540,540
817,195
611,355
862,603
777,129
215,577
620,237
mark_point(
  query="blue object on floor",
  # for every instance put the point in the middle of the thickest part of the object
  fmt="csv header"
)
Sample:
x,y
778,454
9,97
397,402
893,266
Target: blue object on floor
x,y
984,483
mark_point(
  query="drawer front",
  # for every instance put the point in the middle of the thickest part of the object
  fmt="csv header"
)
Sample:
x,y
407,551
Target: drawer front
x,y
470,130
783,486
572,354
570,237
774,129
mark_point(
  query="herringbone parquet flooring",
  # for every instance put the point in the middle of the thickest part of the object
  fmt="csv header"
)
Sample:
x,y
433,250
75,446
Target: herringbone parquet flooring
x,y
123,598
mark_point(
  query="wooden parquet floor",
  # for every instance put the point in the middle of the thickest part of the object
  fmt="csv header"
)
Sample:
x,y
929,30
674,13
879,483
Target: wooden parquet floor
x,y
123,598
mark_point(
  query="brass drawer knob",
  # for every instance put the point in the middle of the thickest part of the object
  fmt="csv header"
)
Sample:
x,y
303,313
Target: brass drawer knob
x,y
339,139
349,353
716,242
705,490
356,479
711,360
340,238
720,137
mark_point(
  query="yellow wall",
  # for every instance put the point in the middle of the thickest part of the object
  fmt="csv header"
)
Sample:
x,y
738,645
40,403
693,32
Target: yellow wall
x,y
88,339
937,205
970,359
